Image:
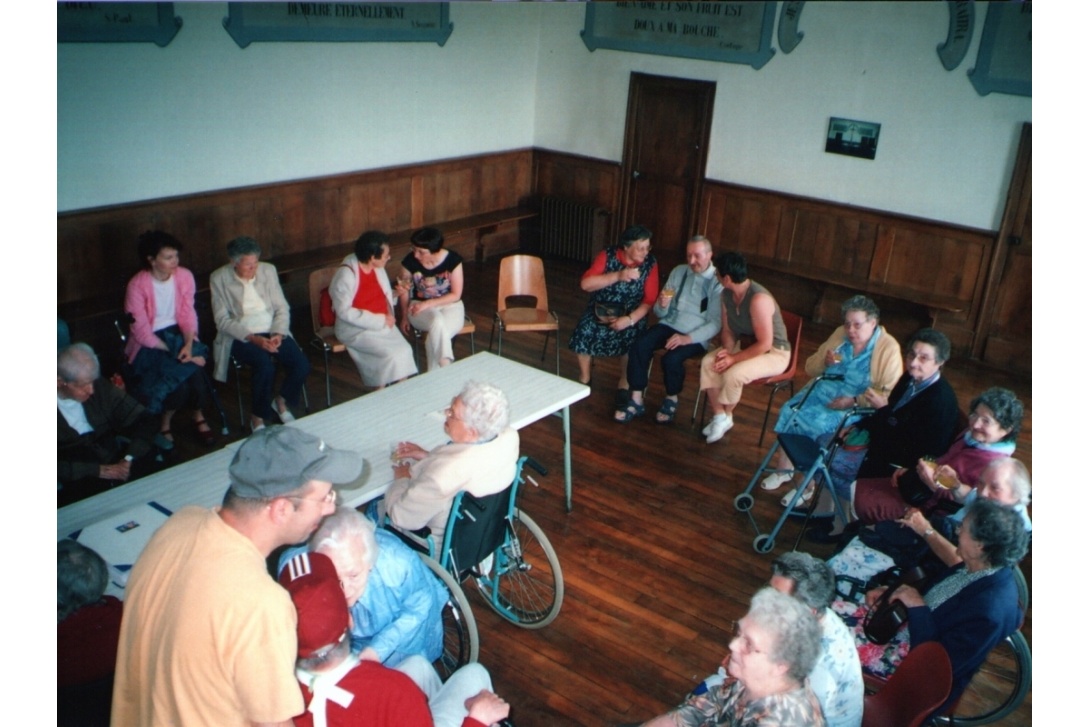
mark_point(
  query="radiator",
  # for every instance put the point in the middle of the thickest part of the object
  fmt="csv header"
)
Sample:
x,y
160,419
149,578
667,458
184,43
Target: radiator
x,y
572,230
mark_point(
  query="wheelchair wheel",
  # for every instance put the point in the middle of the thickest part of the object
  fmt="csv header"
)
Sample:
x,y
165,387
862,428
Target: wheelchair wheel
x,y
461,644
525,585
744,502
998,688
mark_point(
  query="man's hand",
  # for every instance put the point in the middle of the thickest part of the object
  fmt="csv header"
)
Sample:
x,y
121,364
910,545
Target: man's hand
x,y
117,471
486,707
678,339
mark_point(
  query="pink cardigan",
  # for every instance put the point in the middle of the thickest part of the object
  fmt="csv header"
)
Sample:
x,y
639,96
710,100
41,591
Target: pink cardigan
x,y
140,303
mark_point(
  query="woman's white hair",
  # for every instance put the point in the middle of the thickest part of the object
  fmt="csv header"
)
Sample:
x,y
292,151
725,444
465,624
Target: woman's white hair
x,y
795,631
343,527
486,409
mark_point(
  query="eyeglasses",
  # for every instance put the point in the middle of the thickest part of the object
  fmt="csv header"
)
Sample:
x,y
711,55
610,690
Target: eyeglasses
x,y
746,645
329,499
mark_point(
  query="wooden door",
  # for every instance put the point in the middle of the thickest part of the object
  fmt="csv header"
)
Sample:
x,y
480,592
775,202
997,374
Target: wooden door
x,y
666,147
1005,331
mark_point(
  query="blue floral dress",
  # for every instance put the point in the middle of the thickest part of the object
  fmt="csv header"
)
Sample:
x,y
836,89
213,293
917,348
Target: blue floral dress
x,y
598,339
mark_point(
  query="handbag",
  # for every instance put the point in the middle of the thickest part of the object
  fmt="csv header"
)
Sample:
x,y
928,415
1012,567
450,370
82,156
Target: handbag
x,y
886,616
606,313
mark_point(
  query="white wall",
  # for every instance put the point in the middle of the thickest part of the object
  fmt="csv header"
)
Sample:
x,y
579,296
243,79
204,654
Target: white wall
x,y
944,152
138,122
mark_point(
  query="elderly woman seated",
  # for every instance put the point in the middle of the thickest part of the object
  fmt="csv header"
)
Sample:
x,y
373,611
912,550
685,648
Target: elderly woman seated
x,y
837,679
395,601
88,628
917,419
995,419
763,681
866,360
254,326
968,610
929,541
364,305
480,459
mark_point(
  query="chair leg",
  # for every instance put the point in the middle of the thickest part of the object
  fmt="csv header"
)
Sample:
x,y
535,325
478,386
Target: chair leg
x,y
545,347
238,390
306,399
328,389
491,334
472,343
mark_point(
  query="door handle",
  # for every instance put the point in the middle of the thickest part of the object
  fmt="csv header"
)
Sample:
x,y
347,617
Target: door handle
x,y
635,174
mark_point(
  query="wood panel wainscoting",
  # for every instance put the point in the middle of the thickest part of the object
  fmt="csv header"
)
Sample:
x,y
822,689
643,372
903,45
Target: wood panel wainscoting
x,y
816,253
840,249
479,201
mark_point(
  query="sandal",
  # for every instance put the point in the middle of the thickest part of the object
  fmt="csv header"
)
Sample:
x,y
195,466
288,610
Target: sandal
x,y
204,432
667,412
630,412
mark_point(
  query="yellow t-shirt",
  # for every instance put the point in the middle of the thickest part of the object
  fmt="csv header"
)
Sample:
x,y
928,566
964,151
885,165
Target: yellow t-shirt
x,y
207,636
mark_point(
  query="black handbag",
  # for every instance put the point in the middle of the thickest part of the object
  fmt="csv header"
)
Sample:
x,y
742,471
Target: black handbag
x,y
886,616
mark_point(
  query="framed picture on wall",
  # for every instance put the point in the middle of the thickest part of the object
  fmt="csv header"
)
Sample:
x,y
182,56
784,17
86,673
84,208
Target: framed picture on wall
x,y
853,138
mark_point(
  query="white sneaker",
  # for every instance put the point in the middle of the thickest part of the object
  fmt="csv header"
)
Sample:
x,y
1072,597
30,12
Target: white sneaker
x,y
710,426
286,416
775,480
719,427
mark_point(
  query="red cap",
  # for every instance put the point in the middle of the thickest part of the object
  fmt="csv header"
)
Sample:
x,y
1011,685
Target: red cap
x,y
316,592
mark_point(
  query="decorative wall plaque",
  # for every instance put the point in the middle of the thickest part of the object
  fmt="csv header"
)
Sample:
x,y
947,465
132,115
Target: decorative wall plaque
x,y
338,22
959,34
117,23
731,32
1004,62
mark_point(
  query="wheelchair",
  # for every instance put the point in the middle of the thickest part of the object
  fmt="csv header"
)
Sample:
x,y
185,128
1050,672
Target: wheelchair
x,y
507,555
810,459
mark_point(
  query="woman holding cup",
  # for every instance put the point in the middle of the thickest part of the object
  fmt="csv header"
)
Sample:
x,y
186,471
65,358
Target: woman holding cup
x,y
865,361
995,419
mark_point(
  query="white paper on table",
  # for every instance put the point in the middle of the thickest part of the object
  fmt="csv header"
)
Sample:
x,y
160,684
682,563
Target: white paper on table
x,y
120,539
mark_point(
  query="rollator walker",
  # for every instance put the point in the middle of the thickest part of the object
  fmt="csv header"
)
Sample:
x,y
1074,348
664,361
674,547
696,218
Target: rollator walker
x,y
810,459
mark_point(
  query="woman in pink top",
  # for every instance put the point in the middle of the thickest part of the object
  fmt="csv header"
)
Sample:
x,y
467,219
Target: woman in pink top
x,y
165,357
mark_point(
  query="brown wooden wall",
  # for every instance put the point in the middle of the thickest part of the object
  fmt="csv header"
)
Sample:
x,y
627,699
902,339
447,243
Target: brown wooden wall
x,y
304,224
816,252
837,250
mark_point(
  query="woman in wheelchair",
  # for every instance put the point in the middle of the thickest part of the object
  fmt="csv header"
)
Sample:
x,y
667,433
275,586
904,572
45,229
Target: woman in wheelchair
x,y
861,361
969,609
480,459
395,602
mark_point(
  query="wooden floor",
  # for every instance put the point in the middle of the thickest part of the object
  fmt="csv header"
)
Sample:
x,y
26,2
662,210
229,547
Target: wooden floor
x,y
656,561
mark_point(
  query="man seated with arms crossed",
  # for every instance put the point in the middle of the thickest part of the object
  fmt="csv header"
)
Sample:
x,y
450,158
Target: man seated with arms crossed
x,y
395,601
207,637
837,677
339,689
689,317
100,428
